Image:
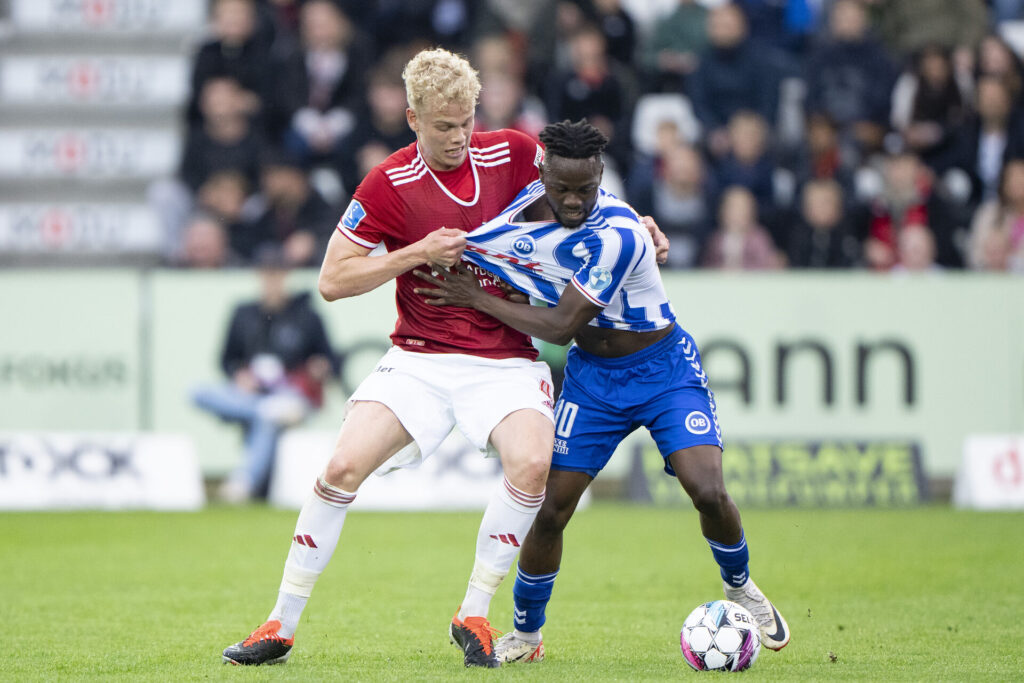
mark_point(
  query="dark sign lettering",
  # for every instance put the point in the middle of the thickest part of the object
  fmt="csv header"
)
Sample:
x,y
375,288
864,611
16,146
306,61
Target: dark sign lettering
x,y
738,374
85,459
44,372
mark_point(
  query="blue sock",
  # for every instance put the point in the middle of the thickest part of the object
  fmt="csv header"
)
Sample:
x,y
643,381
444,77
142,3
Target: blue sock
x,y
732,560
530,596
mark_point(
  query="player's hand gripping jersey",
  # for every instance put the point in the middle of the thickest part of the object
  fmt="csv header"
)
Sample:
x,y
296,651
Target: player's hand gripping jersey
x,y
402,200
610,259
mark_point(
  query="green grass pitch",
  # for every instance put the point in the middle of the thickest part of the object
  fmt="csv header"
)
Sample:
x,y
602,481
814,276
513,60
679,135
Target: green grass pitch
x,y
924,594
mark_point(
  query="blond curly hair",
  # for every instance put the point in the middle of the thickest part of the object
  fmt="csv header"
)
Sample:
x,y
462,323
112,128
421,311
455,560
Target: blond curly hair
x,y
436,78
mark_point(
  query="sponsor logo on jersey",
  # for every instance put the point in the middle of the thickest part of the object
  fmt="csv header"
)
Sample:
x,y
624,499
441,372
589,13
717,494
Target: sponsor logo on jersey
x,y
524,245
539,156
353,215
698,423
599,278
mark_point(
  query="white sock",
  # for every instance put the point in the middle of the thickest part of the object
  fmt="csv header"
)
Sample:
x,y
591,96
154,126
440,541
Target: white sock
x,y
531,637
316,537
506,522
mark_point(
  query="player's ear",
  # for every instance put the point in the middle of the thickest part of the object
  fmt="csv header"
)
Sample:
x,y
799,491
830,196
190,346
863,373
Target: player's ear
x,y
410,118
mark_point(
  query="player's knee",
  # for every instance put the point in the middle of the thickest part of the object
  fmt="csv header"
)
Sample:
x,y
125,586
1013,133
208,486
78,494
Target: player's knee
x,y
529,470
710,498
342,473
551,520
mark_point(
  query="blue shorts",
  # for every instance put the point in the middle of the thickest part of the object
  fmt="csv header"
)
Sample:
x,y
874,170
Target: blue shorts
x,y
662,387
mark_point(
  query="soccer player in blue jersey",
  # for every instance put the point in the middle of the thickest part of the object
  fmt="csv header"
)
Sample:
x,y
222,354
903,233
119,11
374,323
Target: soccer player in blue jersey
x,y
586,254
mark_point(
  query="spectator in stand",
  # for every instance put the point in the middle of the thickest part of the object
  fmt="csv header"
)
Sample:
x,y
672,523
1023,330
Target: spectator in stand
x,y
498,53
503,104
740,243
906,26
997,231
928,104
225,139
595,88
678,199
911,197
223,196
995,57
401,23
320,89
823,236
916,250
787,26
672,52
733,75
748,162
850,78
382,127
205,243
618,29
277,356
822,157
236,51
296,220
987,140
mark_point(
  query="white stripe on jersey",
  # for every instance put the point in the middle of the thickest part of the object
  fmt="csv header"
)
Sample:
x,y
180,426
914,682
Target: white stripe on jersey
x,y
400,171
409,179
506,160
609,259
489,157
482,150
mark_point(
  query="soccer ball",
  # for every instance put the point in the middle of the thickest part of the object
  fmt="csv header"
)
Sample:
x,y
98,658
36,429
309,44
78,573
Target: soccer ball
x,y
720,636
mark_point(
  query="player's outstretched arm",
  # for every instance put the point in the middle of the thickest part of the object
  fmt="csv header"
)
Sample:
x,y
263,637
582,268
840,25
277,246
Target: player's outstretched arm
x,y
348,270
558,325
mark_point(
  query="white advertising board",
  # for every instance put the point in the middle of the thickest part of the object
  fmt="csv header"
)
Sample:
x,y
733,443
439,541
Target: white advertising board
x,y
456,477
991,475
87,153
108,471
79,228
108,15
94,80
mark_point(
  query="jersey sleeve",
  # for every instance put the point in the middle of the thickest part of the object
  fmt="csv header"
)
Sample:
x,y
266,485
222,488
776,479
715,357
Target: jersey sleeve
x,y
527,154
614,254
372,213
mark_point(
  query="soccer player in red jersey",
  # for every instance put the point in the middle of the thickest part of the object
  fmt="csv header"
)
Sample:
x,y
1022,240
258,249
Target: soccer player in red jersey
x,y
447,367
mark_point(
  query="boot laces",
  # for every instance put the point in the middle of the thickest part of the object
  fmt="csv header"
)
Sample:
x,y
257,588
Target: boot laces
x,y
267,631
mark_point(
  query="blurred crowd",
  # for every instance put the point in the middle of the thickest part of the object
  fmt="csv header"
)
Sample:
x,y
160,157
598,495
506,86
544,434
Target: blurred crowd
x,y
760,134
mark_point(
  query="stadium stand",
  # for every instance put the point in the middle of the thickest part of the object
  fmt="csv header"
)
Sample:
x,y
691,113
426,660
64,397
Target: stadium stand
x,y
107,154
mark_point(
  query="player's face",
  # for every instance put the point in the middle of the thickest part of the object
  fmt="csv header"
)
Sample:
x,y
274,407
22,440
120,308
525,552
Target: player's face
x,y
443,134
570,187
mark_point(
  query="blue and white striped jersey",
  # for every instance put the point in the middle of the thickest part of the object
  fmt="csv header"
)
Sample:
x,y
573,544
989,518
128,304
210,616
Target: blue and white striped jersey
x,y
610,259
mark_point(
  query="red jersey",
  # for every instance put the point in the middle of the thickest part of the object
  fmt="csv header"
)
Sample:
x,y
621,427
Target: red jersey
x,y
402,200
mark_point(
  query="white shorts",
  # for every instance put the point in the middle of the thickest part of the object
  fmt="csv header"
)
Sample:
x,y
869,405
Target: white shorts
x,y
432,393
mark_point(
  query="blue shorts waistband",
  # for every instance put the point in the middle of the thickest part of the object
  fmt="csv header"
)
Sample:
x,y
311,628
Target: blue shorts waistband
x,y
658,348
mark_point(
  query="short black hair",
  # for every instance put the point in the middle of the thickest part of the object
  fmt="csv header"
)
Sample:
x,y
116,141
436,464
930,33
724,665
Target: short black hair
x,y
578,140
